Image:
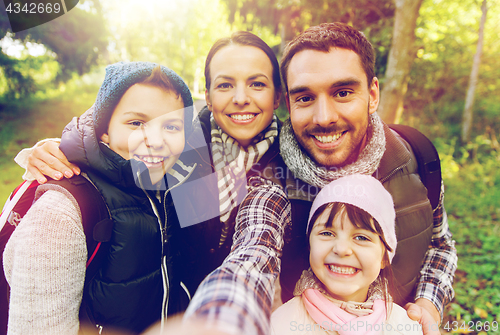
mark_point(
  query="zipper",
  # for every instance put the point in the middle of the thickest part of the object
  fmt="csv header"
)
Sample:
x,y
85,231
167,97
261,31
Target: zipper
x,y
163,230
394,172
164,260
164,270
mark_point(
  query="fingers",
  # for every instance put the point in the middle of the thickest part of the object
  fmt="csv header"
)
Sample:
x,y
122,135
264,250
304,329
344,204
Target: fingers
x,y
414,311
424,318
48,160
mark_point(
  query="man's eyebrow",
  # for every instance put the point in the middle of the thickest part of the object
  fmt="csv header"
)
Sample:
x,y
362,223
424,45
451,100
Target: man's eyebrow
x,y
346,82
298,89
339,83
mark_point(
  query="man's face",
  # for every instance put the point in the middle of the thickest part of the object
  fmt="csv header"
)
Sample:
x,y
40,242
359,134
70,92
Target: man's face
x,y
330,102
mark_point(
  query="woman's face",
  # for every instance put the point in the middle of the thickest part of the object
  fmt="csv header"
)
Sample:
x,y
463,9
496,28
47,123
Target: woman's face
x,y
242,97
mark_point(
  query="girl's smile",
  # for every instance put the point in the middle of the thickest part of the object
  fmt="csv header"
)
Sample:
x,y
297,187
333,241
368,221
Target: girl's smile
x,y
341,270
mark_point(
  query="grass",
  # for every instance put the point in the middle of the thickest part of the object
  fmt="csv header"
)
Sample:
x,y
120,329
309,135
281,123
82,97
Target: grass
x,y
472,179
23,124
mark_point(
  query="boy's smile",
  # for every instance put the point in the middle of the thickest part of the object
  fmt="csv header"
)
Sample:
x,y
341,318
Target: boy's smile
x,y
148,125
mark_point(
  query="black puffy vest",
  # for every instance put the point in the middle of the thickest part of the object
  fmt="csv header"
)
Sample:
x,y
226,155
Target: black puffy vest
x,y
128,291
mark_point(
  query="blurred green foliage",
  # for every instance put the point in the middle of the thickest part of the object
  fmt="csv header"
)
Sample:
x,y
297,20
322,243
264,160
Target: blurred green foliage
x,y
472,196
74,42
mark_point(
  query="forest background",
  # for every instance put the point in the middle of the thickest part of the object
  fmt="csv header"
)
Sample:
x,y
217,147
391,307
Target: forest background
x,y
427,62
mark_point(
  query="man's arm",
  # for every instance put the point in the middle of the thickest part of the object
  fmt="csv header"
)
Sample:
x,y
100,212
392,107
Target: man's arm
x,y
237,297
438,269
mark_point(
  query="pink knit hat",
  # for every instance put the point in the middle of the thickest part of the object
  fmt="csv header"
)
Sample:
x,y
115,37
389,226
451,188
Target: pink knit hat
x,y
364,192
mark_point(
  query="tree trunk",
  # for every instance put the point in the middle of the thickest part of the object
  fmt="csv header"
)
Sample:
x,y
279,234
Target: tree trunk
x,y
474,74
400,60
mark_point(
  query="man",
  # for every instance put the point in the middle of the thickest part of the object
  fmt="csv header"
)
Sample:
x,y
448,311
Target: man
x,y
332,96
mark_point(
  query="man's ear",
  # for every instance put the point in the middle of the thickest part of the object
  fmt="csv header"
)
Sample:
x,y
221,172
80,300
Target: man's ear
x,y
105,138
277,99
287,101
374,96
207,99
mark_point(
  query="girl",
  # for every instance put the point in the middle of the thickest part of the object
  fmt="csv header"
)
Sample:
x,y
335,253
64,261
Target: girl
x,y
352,242
126,143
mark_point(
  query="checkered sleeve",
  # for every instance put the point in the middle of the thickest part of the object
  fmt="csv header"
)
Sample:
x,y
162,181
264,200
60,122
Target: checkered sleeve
x,y
438,270
237,297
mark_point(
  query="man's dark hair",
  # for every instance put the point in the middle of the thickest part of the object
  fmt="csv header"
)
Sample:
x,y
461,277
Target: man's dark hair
x,y
331,35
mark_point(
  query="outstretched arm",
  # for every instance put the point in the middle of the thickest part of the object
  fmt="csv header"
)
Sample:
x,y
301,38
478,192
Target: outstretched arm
x,y
435,288
237,297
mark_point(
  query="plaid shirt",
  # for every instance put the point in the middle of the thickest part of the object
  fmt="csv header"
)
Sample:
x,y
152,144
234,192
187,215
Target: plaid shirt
x,y
440,263
237,297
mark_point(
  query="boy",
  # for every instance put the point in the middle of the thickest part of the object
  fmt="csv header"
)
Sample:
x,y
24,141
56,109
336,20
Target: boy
x,y
125,145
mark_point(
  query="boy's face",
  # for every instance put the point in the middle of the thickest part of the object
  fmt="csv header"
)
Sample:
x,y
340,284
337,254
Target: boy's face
x,y
148,125
346,259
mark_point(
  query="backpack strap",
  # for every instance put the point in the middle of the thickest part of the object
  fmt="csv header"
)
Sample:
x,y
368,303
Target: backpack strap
x,y
21,198
429,166
96,220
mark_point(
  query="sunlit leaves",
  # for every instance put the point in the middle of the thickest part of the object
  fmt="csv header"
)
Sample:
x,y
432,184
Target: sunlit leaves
x,y
177,34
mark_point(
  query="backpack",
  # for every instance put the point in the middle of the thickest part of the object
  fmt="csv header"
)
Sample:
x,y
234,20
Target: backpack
x,y
96,221
429,166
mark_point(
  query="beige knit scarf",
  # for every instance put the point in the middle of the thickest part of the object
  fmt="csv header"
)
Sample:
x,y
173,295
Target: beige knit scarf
x,y
231,162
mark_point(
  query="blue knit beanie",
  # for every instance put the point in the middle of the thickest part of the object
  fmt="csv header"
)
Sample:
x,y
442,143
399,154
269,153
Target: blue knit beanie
x,y
120,77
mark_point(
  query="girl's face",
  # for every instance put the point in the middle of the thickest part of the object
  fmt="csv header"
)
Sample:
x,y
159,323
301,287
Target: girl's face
x,y
242,97
148,125
346,259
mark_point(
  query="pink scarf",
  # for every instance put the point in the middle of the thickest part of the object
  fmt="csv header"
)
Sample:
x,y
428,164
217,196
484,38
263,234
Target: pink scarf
x,y
331,317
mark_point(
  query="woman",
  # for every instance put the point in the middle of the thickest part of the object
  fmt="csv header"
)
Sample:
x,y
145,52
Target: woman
x,y
242,129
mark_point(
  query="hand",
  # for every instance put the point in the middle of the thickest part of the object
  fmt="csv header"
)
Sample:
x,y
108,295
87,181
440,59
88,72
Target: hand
x,y
426,314
48,160
175,325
